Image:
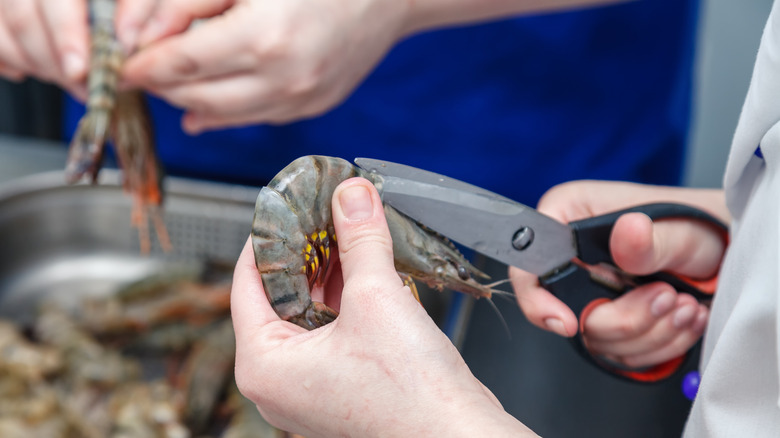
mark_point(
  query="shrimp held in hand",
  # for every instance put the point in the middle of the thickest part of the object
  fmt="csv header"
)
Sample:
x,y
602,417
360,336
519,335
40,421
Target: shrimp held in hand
x,y
293,239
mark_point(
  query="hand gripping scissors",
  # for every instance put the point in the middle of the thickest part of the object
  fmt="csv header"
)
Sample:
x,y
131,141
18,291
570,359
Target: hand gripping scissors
x,y
572,260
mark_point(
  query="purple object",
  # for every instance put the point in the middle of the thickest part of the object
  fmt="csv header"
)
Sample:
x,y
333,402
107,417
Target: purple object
x,y
690,384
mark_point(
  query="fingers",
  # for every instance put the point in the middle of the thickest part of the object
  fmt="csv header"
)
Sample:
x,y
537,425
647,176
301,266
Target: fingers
x,y
11,74
646,326
68,30
223,102
131,17
540,307
11,61
676,347
242,99
365,245
194,123
175,16
215,48
143,22
27,32
641,246
235,106
47,40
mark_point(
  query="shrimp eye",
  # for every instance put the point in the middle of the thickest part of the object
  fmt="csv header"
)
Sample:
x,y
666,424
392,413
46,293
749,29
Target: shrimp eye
x,y
463,273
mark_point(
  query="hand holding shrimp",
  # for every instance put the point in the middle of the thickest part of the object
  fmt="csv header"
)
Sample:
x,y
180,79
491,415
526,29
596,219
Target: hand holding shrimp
x,y
383,359
293,239
260,61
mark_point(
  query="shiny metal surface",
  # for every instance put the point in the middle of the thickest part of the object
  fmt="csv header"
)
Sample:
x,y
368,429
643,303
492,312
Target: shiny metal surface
x,y
66,242
493,225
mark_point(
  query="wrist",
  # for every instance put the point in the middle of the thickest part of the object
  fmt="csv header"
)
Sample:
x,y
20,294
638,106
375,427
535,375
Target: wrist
x,y
464,413
483,418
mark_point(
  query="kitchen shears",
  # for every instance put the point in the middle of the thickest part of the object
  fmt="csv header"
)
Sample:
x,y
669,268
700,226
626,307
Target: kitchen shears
x,y
572,260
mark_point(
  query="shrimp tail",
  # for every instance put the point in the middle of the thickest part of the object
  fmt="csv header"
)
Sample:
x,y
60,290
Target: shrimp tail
x,y
142,173
85,155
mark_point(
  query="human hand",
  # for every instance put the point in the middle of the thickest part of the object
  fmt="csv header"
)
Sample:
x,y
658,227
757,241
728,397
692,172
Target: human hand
x,y
381,368
652,323
260,61
45,39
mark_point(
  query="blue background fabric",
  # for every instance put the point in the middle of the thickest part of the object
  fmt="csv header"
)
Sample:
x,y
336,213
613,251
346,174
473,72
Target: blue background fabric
x,y
514,106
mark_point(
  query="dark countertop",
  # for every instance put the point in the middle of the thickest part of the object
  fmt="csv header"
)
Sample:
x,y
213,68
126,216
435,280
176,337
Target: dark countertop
x,y
21,156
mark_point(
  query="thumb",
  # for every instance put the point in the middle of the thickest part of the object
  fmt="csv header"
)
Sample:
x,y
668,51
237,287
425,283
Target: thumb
x,y
641,246
364,242
173,17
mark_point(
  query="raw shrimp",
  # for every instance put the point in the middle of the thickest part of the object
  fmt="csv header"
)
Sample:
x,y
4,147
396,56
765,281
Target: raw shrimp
x,y
293,239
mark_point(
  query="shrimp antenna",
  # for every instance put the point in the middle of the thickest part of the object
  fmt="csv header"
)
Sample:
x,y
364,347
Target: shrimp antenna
x,y
499,283
501,318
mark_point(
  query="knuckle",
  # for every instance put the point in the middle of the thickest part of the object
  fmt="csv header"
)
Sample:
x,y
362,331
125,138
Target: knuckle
x,y
659,340
686,299
272,47
303,85
310,79
185,65
628,326
199,103
20,17
365,240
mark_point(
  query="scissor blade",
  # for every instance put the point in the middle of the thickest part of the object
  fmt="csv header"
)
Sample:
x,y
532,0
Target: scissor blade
x,y
484,221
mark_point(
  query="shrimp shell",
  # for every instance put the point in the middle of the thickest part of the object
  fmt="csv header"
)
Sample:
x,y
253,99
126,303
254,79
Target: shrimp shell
x,y
293,238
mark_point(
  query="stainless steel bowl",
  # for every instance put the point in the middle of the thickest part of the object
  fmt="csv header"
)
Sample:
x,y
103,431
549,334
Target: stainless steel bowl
x,y
68,241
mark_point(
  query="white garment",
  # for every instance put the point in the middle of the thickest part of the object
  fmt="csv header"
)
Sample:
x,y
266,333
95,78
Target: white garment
x,y
739,394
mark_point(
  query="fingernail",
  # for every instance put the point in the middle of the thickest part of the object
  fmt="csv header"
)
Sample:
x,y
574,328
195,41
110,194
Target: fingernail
x,y
663,303
684,316
73,65
355,202
555,325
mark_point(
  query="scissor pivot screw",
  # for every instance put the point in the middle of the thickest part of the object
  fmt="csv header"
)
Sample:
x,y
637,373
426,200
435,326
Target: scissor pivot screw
x,y
522,238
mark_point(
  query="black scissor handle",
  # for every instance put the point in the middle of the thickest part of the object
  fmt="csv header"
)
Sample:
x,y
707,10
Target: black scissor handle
x,y
592,234
582,289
